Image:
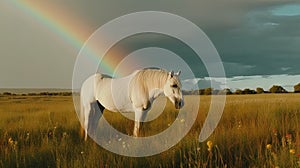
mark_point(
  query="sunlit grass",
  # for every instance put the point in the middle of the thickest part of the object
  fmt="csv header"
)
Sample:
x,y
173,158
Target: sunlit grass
x,y
254,131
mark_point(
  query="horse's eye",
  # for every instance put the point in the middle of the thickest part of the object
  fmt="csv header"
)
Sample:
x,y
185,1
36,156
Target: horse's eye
x,y
174,86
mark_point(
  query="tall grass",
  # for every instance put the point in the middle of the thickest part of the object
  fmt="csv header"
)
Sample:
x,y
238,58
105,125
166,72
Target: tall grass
x,y
254,131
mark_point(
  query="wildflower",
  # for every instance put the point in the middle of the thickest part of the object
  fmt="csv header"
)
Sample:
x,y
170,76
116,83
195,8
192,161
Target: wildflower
x,y
292,151
298,155
182,120
283,142
27,136
239,124
209,145
275,131
288,136
198,149
65,134
82,152
50,134
10,141
268,146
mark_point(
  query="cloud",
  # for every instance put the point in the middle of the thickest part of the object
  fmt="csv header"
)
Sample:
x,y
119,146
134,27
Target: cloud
x,y
258,37
285,68
243,82
202,83
287,81
287,10
265,41
271,24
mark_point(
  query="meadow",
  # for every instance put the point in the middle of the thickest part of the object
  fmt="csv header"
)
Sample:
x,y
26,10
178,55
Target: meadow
x,y
261,130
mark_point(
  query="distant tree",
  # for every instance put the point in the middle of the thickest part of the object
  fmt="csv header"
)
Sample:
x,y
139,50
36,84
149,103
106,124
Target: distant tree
x,y
32,94
259,90
238,91
297,88
216,91
277,89
44,93
248,91
208,91
7,93
201,91
227,91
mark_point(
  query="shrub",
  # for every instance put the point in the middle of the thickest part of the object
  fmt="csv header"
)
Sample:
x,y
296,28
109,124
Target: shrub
x,y
259,90
226,91
208,91
248,91
277,89
238,91
7,94
297,88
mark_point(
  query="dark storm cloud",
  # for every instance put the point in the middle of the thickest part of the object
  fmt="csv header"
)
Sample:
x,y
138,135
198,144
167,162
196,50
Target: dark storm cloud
x,y
264,44
250,38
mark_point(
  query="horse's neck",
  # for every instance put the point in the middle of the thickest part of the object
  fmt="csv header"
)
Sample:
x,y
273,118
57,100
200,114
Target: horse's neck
x,y
154,93
155,87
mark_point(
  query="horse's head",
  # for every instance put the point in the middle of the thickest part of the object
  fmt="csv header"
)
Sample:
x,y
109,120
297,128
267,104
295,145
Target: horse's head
x,y
172,89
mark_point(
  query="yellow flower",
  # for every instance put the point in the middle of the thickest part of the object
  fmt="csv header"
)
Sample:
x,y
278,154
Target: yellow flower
x,y
209,144
292,151
269,146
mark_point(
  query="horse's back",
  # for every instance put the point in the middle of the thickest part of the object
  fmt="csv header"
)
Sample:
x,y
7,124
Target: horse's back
x,y
112,93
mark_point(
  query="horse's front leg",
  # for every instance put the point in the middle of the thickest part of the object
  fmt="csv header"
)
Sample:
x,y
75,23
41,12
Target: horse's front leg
x,y
136,129
95,114
140,116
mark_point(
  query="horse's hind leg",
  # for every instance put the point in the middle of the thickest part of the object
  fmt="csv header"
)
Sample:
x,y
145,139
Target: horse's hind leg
x,y
140,116
86,111
95,114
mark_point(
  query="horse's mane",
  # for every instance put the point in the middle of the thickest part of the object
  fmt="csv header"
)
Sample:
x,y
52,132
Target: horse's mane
x,y
146,79
151,77
101,76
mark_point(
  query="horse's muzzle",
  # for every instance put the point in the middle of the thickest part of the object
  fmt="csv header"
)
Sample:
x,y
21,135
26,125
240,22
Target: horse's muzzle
x,y
179,104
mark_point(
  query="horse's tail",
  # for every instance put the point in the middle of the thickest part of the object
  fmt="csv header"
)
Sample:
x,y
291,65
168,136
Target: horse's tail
x,y
82,115
81,119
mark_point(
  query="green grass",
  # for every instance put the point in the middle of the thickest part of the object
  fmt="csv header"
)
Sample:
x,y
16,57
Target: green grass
x,y
43,131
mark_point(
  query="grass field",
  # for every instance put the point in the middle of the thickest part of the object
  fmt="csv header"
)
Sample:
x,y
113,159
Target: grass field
x,y
255,131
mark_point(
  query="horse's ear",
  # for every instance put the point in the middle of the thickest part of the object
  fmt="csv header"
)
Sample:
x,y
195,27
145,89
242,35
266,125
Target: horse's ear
x,y
178,73
171,74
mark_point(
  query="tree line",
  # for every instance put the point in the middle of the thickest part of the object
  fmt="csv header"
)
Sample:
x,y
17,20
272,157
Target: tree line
x,y
227,91
38,94
206,91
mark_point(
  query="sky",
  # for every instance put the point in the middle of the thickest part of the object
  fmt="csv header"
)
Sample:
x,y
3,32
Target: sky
x,y
258,41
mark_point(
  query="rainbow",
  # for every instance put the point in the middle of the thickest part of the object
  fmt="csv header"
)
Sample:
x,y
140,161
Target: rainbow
x,y
63,25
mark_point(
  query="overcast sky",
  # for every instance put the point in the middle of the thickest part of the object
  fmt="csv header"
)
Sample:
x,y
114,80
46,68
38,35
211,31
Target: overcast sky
x,y
253,38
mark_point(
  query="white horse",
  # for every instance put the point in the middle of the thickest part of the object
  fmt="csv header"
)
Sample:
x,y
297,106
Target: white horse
x,y
133,93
